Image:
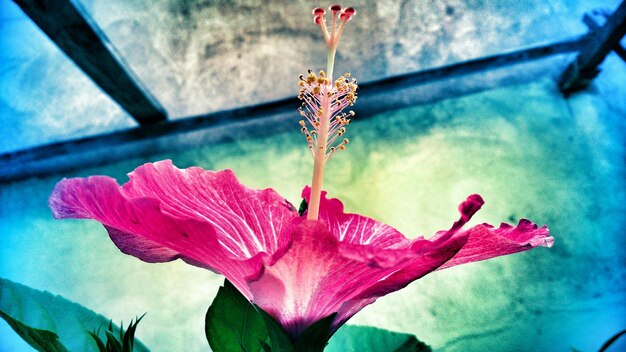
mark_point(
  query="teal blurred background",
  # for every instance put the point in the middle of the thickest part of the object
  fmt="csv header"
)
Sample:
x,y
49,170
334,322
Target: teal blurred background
x,y
525,148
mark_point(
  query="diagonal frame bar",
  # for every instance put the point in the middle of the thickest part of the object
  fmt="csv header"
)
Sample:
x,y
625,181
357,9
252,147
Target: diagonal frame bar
x,y
600,43
595,27
78,36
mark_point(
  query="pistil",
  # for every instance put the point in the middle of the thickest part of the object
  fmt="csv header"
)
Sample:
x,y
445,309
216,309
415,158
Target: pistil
x,y
323,103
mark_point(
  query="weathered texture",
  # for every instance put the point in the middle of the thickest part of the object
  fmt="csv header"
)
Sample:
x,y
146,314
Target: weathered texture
x,y
200,56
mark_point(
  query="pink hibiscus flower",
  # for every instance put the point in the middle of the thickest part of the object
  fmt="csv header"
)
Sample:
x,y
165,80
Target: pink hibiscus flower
x,y
297,270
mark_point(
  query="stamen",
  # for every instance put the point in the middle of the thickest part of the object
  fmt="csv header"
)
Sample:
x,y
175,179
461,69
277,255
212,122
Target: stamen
x,y
315,92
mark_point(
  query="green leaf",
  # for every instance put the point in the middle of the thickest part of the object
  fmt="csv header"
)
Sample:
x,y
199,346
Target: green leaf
x,y
315,337
279,339
412,344
101,346
232,323
266,347
112,343
39,339
128,337
370,339
303,207
124,343
42,310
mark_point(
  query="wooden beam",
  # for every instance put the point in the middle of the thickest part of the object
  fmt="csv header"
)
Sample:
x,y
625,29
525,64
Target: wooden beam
x,y
231,124
596,27
599,44
78,36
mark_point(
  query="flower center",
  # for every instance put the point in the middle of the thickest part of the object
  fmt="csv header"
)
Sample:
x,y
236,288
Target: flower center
x,y
316,95
323,102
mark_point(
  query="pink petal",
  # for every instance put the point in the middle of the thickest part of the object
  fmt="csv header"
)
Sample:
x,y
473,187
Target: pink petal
x,y
486,242
140,247
354,228
354,267
319,275
136,225
478,243
429,256
246,220
145,219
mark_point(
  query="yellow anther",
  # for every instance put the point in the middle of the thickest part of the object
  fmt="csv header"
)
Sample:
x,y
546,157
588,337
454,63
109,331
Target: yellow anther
x,y
311,78
342,147
346,141
351,113
346,75
322,73
301,122
316,90
322,80
301,83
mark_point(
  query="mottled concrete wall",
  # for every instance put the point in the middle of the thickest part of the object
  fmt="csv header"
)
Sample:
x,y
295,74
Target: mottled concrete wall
x,y
199,56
